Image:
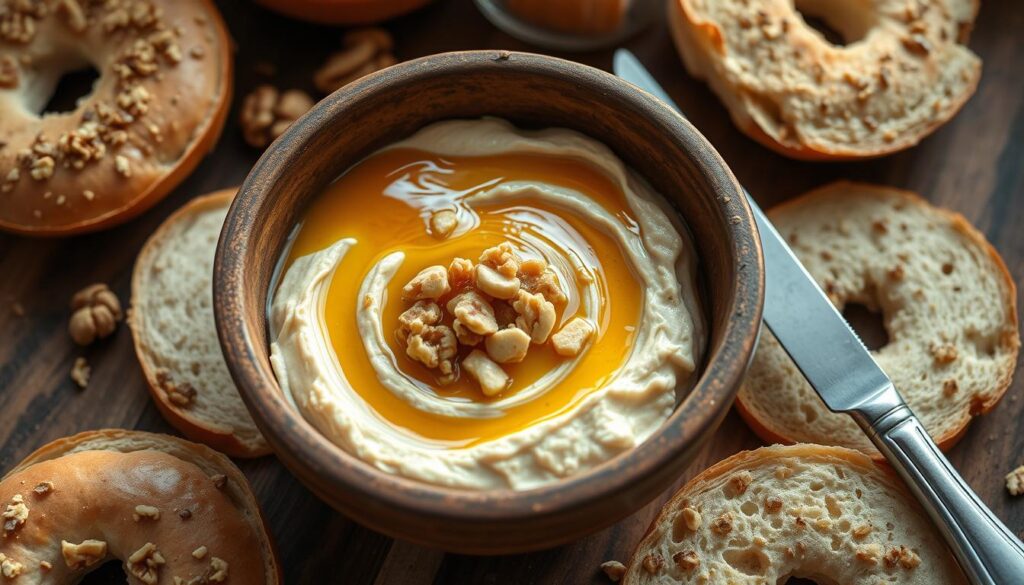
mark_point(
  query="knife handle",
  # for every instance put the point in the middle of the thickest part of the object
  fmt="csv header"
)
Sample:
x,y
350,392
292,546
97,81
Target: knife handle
x,y
988,552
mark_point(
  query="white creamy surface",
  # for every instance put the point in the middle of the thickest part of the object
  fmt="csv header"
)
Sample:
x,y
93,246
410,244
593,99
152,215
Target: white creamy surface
x,y
636,400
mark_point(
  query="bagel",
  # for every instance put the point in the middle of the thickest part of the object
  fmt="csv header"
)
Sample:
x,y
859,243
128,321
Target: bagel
x,y
156,109
170,510
905,71
343,11
805,511
175,336
946,300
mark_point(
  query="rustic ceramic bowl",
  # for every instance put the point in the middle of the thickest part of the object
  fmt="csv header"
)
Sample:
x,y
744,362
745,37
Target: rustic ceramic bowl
x,y
531,90
343,11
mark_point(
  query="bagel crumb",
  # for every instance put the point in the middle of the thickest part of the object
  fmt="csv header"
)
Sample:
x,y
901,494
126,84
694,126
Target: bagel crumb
x,y
43,488
199,553
783,472
143,511
15,515
944,353
1015,481
145,563
219,481
652,563
85,554
687,560
723,524
80,372
614,570
692,519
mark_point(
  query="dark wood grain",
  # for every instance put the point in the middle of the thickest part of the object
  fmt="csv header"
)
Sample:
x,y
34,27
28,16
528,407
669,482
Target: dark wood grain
x,y
973,165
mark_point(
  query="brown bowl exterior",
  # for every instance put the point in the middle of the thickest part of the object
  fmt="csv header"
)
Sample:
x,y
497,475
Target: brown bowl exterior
x,y
526,89
343,11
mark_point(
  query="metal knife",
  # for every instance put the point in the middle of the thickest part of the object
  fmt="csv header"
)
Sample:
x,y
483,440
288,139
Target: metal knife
x,y
842,371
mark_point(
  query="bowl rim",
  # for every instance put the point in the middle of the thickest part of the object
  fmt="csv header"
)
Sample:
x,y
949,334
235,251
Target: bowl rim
x,y
287,430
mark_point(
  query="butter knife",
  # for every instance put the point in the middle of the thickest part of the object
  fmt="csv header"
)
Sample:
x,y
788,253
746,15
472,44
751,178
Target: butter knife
x,y
838,366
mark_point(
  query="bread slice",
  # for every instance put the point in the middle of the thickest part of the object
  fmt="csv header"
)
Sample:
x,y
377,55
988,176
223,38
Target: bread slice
x,y
172,323
233,530
947,302
824,513
905,72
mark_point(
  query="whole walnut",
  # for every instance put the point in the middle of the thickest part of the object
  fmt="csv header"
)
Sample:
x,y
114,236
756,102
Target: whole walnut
x,y
95,313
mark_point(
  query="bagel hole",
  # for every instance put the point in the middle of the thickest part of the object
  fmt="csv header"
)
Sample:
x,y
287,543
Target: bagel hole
x,y
868,324
111,571
750,561
72,87
839,22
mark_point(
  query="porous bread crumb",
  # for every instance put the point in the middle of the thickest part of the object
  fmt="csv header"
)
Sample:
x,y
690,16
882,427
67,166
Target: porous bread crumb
x,y
1015,481
218,571
80,372
772,504
614,570
143,511
82,555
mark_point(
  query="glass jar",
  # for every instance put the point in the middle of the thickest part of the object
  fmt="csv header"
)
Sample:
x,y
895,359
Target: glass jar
x,y
571,25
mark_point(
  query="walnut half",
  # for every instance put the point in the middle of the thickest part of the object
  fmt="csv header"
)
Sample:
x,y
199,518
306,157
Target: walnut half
x,y
96,311
267,113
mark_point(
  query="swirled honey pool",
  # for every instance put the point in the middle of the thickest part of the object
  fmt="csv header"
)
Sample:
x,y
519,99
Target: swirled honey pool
x,y
484,307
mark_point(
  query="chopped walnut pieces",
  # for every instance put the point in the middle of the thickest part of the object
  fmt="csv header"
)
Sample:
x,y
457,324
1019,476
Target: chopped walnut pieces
x,y
652,563
536,315
218,571
81,145
686,560
429,283
74,16
896,273
869,553
943,353
418,316
10,568
365,51
144,512
219,481
461,273
917,45
18,20
81,372
739,482
15,515
536,277
772,504
903,557
723,524
266,113
42,488
199,553
949,387
145,563
691,518
42,168
571,338
45,566
1015,481
8,72
502,258
474,312
85,554
465,336
862,531
122,166
614,570
508,346
433,346
492,379
443,223
493,283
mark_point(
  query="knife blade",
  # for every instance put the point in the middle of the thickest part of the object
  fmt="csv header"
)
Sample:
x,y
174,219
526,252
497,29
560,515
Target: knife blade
x,y
842,371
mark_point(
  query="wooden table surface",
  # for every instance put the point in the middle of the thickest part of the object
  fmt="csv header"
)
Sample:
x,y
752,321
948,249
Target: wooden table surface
x,y
973,165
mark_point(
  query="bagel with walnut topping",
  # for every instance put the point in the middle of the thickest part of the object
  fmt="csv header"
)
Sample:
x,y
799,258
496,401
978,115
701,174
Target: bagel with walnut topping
x,y
175,335
946,300
805,511
171,511
905,71
156,109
